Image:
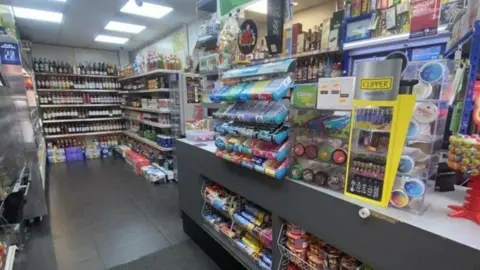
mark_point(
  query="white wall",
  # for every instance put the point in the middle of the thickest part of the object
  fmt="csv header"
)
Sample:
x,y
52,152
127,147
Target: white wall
x,y
314,15
75,54
175,43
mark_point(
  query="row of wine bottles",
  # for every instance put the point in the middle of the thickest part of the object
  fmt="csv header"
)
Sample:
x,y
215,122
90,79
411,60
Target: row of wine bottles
x,y
85,98
52,114
66,67
83,127
57,82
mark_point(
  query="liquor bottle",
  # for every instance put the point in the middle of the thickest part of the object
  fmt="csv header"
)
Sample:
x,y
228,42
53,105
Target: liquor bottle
x,y
50,66
298,71
36,68
310,70
83,69
305,70
315,70
319,36
46,68
314,43
321,67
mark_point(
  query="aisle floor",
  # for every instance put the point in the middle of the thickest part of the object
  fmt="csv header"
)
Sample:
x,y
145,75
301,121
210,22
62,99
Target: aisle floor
x,y
103,216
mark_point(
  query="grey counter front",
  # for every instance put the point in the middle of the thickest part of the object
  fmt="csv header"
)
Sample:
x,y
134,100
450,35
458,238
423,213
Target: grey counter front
x,y
388,239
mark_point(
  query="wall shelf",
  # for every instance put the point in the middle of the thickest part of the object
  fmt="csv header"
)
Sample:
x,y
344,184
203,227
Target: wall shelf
x,y
150,123
146,141
156,71
81,120
82,134
146,110
76,105
79,90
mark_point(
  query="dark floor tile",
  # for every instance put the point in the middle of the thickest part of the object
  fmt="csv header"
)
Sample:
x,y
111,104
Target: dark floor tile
x,y
92,263
134,231
117,255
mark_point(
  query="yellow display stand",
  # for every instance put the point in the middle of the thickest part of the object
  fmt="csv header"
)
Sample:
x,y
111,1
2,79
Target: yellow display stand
x,y
377,136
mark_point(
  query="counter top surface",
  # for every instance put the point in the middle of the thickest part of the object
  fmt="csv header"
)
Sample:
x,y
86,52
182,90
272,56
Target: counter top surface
x,y
434,220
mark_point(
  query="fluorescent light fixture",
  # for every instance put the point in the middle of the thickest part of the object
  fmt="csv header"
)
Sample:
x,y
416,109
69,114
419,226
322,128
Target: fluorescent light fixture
x,y
64,1
125,27
111,39
36,14
146,10
258,6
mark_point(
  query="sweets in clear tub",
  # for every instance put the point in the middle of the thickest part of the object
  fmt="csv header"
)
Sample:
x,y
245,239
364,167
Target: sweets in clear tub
x,y
200,135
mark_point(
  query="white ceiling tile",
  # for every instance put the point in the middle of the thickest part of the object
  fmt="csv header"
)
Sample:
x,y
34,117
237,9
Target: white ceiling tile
x,y
83,20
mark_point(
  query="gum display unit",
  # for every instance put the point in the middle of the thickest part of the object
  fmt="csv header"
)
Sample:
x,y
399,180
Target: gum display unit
x,y
320,126
254,136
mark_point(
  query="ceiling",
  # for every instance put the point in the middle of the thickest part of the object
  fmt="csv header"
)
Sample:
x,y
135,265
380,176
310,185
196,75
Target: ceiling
x,y
83,20
302,5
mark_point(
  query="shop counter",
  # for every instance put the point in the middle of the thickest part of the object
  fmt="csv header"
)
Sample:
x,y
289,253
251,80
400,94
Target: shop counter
x,y
387,239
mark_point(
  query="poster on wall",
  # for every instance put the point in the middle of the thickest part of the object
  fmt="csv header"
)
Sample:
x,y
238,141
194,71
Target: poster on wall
x,y
248,37
425,16
227,6
8,22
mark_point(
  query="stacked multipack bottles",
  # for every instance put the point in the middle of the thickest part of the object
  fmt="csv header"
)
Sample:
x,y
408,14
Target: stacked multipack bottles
x,y
75,149
247,226
253,134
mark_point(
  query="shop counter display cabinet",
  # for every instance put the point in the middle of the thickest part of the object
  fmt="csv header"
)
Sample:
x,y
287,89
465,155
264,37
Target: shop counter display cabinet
x,y
388,239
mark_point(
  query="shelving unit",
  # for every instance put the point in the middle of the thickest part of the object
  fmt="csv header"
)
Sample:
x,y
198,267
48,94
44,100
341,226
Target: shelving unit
x,y
150,123
9,261
156,71
164,90
79,90
146,141
145,110
294,56
470,40
77,105
82,134
75,75
81,120
174,80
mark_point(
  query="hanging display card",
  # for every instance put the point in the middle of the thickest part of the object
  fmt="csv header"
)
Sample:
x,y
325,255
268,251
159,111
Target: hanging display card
x,y
425,16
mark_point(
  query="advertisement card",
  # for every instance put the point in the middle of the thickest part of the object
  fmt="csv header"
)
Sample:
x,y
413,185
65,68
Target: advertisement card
x,y
425,16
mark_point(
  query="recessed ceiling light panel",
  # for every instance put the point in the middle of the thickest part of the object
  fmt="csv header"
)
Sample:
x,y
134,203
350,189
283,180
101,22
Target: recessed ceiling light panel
x,y
111,39
125,27
258,6
146,10
37,14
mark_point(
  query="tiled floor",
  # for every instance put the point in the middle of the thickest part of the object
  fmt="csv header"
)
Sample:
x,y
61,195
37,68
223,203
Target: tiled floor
x,y
103,215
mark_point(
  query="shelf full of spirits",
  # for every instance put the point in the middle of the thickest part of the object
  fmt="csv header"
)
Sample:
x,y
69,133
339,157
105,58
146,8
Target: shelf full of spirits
x,y
75,98
100,126
43,66
74,115
64,82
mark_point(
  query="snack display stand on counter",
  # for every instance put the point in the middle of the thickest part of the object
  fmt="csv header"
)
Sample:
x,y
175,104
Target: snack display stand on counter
x,y
320,126
464,156
254,135
379,124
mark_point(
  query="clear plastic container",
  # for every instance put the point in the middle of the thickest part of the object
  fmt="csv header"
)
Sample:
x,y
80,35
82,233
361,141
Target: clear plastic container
x,y
422,151
200,135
